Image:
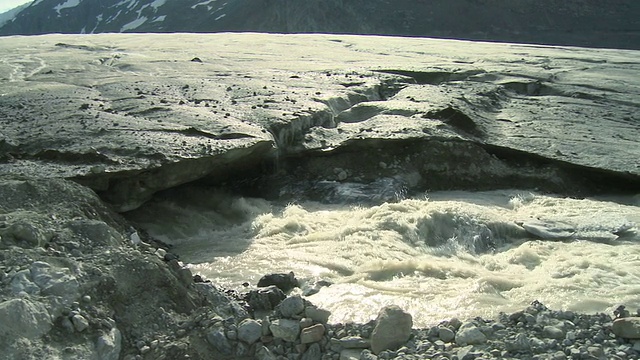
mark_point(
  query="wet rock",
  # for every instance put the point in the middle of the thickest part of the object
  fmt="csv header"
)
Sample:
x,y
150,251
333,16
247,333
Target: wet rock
x,y
312,334
23,318
392,329
469,334
285,329
284,282
291,306
628,327
249,331
109,345
265,299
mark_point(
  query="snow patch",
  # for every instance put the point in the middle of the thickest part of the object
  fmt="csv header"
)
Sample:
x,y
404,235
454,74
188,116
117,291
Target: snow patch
x,y
114,16
134,24
157,3
98,21
67,4
220,17
160,18
203,3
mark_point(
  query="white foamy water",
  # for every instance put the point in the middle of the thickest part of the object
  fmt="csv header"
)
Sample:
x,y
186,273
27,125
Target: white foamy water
x,y
448,254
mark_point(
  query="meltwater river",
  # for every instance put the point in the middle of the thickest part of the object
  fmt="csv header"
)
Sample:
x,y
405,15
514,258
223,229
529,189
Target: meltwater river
x,y
438,255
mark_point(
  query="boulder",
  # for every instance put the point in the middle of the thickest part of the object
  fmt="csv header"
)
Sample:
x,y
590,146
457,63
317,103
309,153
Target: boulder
x,y
317,314
291,306
109,345
249,331
22,318
265,299
628,327
284,282
392,329
285,329
469,334
445,334
313,352
219,341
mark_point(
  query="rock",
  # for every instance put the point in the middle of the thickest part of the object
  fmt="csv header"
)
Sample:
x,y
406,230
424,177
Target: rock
x,y
445,334
284,282
217,339
305,322
354,342
469,334
249,331
519,343
54,281
318,315
392,329
552,332
21,282
291,306
465,353
23,318
313,352
366,354
628,327
109,345
285,329
263,353
24,233
80,323
312,334
265,299
350,354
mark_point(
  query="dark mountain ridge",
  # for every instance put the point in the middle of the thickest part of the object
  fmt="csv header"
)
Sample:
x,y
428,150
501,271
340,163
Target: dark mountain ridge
x,y
591,23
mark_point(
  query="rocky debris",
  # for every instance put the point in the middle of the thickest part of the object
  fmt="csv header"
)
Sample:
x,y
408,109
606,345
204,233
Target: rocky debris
x,y
393,328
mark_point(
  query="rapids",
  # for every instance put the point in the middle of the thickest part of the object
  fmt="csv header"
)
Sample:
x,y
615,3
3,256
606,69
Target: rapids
x,y
437,255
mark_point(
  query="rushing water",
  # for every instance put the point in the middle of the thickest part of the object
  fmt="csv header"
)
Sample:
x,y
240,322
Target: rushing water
x,y
439,255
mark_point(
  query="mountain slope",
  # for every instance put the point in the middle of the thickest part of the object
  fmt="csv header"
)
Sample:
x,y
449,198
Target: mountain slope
x,y
569,22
